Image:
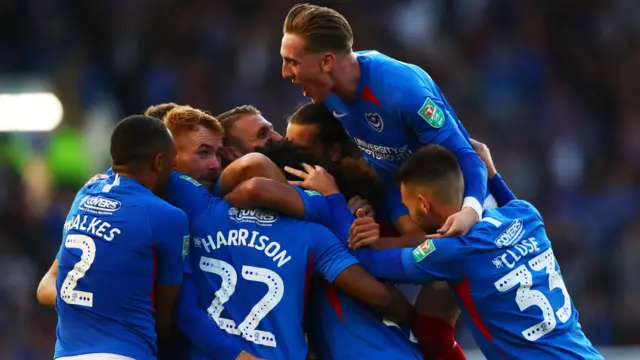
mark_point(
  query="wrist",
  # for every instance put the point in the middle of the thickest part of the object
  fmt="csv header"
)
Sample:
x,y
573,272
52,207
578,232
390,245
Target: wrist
x,y
474,204
242,352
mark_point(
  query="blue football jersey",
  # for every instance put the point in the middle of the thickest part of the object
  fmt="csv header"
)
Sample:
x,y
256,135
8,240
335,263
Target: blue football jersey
x,y
118,240
339,326
252,268
507,282
399,109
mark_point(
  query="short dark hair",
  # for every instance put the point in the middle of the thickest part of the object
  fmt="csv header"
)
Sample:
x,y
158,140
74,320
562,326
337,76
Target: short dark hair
x,y
137,139
350,180
435,167
330,130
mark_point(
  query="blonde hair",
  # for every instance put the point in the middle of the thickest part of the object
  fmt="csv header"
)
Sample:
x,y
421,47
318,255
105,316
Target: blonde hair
x,y
182,119
229,117
324,29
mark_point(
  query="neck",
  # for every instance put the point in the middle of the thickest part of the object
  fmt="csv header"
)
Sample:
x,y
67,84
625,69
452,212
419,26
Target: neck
x,y
346,77
142,177
446,210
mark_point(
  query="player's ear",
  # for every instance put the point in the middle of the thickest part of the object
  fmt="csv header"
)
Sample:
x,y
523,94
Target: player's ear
x,y
328,60
425,205
158,162
335,152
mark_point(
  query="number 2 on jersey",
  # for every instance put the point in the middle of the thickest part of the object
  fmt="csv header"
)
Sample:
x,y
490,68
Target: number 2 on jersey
x,y
526,297
247,328
67,292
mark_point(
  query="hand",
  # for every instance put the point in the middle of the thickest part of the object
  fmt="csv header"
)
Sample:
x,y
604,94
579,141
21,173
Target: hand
x,y
96,177
483,152
457,224
230,153
246,356
364,231
357,202
315,178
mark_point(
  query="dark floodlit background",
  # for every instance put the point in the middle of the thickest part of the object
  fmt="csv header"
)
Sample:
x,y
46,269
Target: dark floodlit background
x,y
550,86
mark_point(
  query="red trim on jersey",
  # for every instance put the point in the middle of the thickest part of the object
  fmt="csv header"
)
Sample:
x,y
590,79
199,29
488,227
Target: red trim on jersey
x,y
152,295
464,294
307,283
368,95
332,294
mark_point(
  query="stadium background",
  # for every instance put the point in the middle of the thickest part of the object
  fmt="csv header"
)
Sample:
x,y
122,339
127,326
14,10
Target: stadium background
x,y
550,86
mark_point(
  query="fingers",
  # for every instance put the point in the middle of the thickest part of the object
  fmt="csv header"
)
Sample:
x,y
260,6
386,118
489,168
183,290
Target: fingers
x,y
447,224
360,213
434,236
366,238
308,168
368,210
297,183
295,172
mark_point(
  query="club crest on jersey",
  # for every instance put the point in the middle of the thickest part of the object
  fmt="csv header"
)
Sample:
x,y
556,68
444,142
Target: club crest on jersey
x,y
260,217
185,246
190,179
375,120
432,114
423,250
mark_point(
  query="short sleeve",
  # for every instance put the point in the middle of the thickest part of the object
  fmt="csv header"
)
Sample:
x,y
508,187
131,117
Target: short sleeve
x,y
170,232
331,257
188,195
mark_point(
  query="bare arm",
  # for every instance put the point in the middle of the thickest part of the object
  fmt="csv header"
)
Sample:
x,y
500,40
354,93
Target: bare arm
x,y
262,192
366,232
255,181
390,303
166,297
247,167
47,292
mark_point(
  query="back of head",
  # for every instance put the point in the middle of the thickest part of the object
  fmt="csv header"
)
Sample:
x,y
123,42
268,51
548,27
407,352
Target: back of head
x,y
159,111
137,140
436,169
330,130
324,29
360,180
182,119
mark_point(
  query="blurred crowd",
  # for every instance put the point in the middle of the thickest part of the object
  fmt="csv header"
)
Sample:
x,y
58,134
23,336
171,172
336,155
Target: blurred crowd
x,y
550,86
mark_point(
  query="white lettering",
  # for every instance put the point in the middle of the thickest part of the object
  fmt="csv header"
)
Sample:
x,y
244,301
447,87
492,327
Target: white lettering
x,y
238,237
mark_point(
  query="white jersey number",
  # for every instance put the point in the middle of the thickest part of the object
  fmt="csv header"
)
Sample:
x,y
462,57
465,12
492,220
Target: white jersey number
x,y
247,328
526,297
68,293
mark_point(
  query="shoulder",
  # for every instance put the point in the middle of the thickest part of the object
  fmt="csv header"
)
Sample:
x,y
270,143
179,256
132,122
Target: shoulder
x,y
508,224
162,213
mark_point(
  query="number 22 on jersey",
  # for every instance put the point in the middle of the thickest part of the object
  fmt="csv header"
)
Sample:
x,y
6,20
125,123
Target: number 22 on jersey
x,y
248,327
527,297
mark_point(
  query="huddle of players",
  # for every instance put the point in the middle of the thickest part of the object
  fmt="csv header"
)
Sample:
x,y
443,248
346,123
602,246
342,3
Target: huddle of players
x,y
502,271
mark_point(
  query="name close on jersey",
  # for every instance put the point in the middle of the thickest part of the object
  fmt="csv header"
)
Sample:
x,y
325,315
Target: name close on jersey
x,y
242,237
93,226
518,251
387,153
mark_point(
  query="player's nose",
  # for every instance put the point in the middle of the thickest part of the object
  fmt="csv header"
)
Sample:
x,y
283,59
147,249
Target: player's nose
x,y
286,71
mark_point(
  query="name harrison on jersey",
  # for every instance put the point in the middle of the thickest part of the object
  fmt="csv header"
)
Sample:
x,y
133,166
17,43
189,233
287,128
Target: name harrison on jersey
x,y
241,237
